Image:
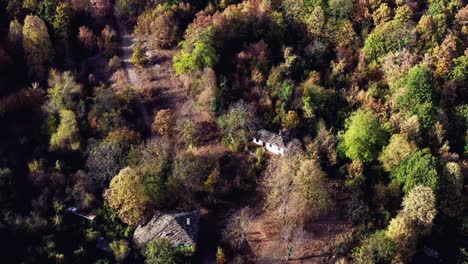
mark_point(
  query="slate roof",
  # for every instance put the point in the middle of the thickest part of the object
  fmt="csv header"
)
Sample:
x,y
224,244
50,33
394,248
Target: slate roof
x,y
172,226
270,137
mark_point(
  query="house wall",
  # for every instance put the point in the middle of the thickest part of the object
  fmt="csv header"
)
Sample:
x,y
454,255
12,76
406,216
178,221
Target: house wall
x,y
274,149
257,141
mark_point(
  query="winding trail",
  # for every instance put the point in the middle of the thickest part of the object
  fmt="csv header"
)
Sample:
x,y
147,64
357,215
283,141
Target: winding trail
x,y
127,41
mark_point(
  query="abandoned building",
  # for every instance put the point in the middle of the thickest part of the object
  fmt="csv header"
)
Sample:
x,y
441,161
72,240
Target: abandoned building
x,y
277,143
181,229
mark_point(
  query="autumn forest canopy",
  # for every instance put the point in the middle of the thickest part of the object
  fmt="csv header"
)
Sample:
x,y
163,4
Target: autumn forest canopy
x,y
311,131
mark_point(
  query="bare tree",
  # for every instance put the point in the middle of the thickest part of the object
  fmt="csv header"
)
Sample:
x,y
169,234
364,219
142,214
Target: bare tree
x,y
238,228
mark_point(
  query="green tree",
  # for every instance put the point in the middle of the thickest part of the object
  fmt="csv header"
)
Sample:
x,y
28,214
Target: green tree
x,y
388,37
420,95
459,72
37,47
419,168
126,194
377,248
363,138
160,251
196,54
67,135
46,10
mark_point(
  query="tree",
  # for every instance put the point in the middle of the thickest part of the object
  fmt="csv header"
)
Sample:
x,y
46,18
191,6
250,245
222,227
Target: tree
x,y
62,20
105,159
197,54
37,47
46,10
419,168
164,30
15,35
388,37
63,91
138,57
419,96
154,164
291,119
396,151
101,8
364,137
126,194
310,197
237,229
189,133
459,70
86,38
341,8
107,41
129,8
405,235
67,135
296,188
164,122
120,249
187,177
376,248
420,205
236,125
160,251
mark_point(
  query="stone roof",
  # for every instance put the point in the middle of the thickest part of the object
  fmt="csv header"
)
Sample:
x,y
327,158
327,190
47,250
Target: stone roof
x,y
180,229
270,137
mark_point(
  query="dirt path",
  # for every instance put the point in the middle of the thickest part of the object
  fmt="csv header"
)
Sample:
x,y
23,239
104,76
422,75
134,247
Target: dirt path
x,y
172,93
127,41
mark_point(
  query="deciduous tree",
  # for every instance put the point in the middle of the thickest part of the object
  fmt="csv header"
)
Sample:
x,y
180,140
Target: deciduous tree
x,y
67,135
160,251
419,168
237,125
37,47
164,122
396,151
127,195
364,137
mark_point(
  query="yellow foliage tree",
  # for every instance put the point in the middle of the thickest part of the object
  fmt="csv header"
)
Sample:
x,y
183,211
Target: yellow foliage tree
x,y
127,195
37,47
67,136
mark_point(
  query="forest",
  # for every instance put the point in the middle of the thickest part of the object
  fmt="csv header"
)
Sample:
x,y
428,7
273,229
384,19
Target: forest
x,y
234,131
